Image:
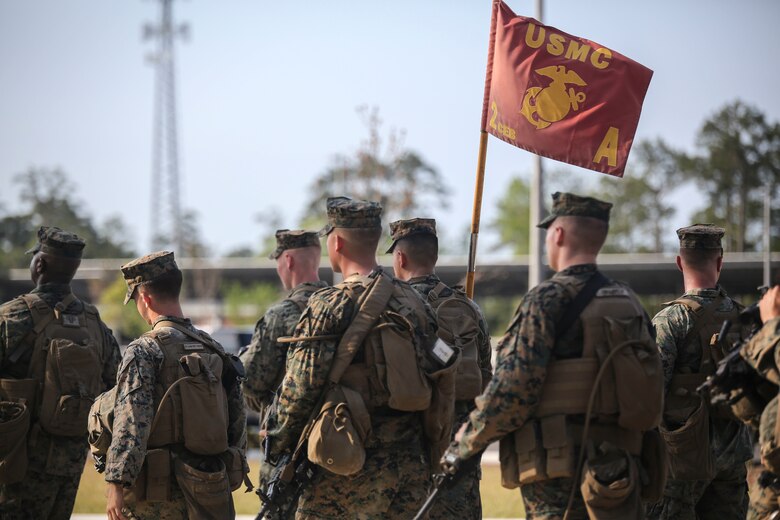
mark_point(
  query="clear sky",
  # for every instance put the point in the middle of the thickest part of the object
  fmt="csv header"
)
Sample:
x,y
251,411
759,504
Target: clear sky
x,y
268,90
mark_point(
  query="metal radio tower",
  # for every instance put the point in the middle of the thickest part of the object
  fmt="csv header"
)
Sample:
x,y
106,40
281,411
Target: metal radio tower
x,y
166,217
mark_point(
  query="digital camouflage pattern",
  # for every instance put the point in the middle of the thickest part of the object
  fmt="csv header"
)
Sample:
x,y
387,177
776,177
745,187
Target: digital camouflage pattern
x,y
395,477
463,500
765,496
55,463
135,408
265,359
415,226
700,236
286,239
344,212
513,393
147,269
571,205
55,241
730,440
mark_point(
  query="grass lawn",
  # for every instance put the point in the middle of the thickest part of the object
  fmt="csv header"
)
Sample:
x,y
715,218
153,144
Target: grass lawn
x,y
497,502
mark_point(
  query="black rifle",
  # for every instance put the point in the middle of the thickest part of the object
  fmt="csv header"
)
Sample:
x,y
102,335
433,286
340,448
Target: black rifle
x,y
734,378
280,498
448,480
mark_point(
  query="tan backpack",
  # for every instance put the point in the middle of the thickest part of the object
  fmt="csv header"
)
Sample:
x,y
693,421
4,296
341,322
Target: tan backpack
x,y
67,361
458,321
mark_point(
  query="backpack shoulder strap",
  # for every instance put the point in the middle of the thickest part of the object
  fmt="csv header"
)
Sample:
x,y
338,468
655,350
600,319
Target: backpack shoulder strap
x,y
375,301
436,292
578,304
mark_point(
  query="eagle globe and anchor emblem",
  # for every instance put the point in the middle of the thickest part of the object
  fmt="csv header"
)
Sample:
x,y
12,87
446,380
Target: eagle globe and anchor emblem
x,y
545,106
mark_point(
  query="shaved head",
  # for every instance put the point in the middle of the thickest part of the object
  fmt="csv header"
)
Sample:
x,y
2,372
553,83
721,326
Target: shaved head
x,y
422,250
585,234
360,241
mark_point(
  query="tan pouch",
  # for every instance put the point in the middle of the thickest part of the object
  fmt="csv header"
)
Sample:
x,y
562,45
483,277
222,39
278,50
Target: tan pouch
x,y
337,437
610,486
409,388
158,475
14,427
638,374
203,396
205,485
72,382
530,454
655,462
507,457
16,389
558,447
101,422
437,418
235,465
690,455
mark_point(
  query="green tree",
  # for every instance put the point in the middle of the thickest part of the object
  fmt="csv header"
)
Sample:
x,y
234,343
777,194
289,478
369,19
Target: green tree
x,y
512,221
49,199
382,170
739,156
641,212
244,304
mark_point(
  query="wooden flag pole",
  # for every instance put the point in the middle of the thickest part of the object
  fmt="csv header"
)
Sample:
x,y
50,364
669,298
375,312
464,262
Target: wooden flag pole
x,y
481,158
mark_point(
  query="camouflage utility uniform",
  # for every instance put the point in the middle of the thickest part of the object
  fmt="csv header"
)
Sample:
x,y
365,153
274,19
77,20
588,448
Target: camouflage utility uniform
x,y
521,365
394,480
133,416
265,359
765,495
55,463
462,500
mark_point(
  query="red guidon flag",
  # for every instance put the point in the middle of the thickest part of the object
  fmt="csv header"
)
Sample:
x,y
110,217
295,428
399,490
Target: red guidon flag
x,y
561,96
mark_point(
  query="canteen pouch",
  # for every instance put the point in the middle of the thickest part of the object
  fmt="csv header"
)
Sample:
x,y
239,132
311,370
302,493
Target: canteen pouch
x,y
158,475
637,372
235,465
507,457
203,396
71,383
610,485
14,427
530,453
336,441
17,389
655,465
205,485
690,455
408,386
100,423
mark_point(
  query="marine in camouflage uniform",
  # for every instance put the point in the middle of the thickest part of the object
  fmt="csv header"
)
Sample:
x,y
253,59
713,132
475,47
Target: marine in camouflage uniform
x,y
297,255
264,360
725,495
55,463
765,495
135,406
524,353
462,500
394,480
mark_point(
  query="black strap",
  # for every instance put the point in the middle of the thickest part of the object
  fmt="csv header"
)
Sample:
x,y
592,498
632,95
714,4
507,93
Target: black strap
x,y
578,304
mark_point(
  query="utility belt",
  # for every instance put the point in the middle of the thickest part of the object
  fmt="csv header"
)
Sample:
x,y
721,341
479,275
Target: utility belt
x,y
205,481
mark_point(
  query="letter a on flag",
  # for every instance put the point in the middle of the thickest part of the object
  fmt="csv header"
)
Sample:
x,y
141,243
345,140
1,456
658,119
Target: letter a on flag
x,y
562,97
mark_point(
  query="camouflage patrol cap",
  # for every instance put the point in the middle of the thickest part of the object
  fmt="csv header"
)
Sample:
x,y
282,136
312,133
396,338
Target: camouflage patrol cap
x,y
147,269
344,212
571,205
413,226
55,241
700,236
287,239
